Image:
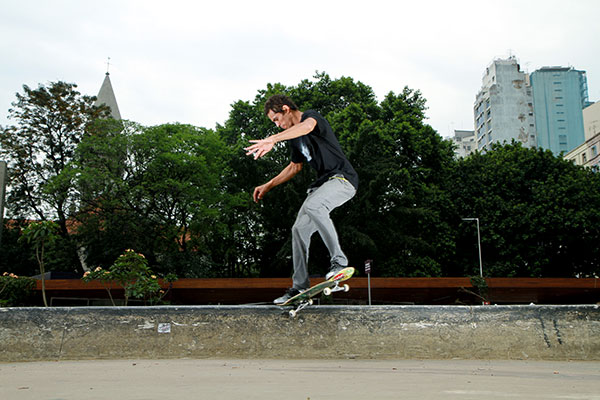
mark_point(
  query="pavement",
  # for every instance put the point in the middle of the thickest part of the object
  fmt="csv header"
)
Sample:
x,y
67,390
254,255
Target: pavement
x,y
299,379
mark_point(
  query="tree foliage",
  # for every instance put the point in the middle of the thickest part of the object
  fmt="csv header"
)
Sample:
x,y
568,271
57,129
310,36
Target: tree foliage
x,y
182,195
401,163
158,189
50,122
540,214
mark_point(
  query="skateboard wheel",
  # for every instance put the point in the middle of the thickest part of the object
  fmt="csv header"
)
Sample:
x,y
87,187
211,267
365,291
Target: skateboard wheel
x,y
293,313
327,291
346,287
310,302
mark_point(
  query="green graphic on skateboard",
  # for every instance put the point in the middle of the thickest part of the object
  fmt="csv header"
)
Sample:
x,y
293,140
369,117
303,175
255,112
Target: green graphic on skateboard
x,y
304,299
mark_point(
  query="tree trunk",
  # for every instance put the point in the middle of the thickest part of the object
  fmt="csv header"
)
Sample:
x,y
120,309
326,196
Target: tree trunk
x,y
43,272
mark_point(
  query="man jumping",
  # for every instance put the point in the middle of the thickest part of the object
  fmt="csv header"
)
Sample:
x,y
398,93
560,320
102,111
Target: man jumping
x,y
311,140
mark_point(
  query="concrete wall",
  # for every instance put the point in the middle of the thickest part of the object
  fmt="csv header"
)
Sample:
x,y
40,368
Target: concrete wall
x,y
379,332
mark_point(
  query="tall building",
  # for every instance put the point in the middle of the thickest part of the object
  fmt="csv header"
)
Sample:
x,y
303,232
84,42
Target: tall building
x,y
504,106
107,96
559,96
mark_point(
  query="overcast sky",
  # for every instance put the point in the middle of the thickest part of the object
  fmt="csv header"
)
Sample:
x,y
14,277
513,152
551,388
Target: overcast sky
x,y
188,61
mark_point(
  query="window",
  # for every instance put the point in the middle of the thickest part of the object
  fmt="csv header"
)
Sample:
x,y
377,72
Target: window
x,y
562,139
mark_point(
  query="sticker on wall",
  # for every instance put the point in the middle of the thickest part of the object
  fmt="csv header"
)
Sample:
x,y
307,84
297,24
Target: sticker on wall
x,y
164,328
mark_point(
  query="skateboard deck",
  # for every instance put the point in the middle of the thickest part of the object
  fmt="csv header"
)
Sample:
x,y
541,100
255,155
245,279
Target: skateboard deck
x,y
329,286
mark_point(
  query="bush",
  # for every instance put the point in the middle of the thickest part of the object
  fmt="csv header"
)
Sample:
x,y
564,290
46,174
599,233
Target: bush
x,y
131,272
15,291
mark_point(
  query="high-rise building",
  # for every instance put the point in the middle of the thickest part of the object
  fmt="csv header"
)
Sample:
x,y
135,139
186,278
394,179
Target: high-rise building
x,y
559,96
504,106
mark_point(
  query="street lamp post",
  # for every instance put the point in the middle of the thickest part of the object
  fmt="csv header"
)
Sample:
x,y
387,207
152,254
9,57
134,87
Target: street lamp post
x,y
478,243
3,180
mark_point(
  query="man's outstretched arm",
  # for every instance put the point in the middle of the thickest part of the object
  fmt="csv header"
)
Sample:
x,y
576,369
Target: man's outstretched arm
x,y
285,175
262,146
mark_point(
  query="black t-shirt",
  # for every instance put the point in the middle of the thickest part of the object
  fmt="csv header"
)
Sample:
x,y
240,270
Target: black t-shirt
x,y
321,149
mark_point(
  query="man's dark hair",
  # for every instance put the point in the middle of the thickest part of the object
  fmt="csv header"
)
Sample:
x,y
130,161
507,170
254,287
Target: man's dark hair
x,y
276,102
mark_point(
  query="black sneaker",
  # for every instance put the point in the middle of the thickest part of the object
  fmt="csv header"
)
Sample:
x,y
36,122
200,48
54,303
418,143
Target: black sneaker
x,y
291,292
335,268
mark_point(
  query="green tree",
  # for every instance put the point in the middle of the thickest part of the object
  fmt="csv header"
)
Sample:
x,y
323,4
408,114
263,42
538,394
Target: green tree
x,y
403,164
50,121
41,235
539,214
157,189
397,217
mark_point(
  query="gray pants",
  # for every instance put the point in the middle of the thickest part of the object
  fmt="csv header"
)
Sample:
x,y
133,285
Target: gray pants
x,y
314,217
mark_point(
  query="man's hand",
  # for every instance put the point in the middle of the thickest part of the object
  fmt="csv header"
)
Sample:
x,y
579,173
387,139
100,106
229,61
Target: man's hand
x,y
285,175
260,147
260,191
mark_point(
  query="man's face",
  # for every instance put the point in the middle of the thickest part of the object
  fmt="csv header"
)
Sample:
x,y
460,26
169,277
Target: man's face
x,y
282,119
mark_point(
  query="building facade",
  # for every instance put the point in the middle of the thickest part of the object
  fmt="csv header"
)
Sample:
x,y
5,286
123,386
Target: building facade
x,y
587,154
504,106
559,96
465,142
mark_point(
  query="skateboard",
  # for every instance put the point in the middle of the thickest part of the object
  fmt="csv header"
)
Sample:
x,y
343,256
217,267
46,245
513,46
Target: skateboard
x,y
304,299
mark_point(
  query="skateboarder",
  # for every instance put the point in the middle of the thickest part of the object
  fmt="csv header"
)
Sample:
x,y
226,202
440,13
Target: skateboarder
x,y
311,141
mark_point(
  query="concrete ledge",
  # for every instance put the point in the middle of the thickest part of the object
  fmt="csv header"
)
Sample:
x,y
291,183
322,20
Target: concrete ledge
x,y
380,332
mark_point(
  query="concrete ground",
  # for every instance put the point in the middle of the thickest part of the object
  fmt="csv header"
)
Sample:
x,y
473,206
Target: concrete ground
x,y
299,379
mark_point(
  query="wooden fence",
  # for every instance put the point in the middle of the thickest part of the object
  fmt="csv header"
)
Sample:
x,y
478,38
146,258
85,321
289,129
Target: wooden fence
x,y
434,291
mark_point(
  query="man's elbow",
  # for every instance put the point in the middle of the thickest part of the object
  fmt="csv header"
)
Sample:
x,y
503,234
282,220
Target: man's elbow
x,y
296,167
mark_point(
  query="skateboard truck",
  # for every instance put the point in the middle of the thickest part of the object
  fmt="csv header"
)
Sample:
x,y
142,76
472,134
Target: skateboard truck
x,y
336,288
302,305
305,299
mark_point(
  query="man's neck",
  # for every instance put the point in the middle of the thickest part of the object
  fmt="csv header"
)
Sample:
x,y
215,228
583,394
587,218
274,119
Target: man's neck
x,y
296,116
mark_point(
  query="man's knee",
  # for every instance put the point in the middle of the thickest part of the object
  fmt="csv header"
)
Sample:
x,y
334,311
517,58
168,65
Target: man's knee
x,y
301,225
316,209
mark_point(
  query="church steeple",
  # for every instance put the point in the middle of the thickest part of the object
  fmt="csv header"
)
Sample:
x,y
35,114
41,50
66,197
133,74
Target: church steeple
x,y
107,96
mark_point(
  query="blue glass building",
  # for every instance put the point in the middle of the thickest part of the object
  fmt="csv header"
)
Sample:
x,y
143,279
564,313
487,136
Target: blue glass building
x,y
559,96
